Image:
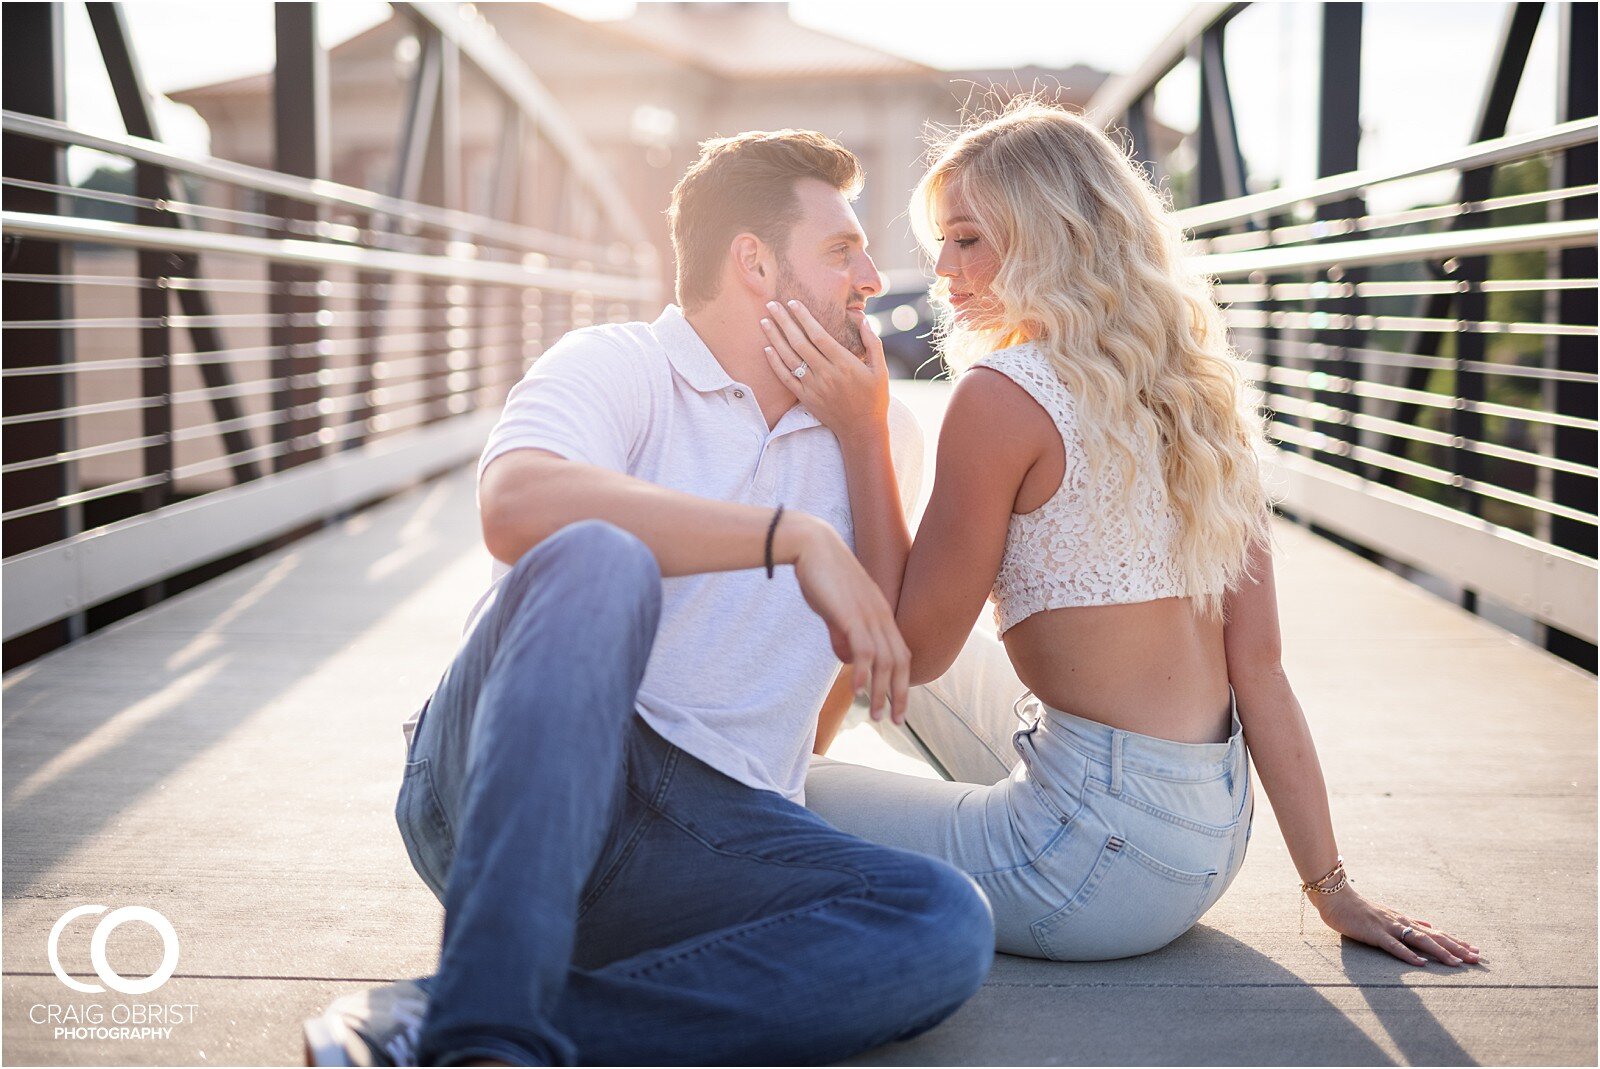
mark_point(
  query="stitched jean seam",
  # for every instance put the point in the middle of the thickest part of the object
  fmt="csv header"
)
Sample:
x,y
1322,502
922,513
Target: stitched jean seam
x,y
1178,820
616,868
668,767
865,881
743,930
1030,863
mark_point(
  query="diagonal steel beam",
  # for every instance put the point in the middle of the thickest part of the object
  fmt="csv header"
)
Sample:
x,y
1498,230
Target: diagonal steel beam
x,y
1494,112
133,101
417,123
505,190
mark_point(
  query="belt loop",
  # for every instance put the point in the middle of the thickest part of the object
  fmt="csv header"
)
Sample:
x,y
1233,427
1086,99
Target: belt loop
x,y
1116,761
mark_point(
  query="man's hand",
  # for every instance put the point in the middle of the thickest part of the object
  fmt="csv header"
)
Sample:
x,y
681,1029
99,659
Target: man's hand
x,y
860,623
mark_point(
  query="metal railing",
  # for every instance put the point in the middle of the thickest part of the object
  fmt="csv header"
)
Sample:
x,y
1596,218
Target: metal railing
x,y
1433,436
1423,337
218,355
223,354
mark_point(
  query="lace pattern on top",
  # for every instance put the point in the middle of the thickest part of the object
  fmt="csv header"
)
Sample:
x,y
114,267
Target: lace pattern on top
x,y
1060,555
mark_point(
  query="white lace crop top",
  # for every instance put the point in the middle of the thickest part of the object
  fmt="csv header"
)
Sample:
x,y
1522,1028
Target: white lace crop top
x,y
1058,555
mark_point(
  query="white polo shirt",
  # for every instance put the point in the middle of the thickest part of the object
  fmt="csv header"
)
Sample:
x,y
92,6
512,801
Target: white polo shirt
x,y
741,663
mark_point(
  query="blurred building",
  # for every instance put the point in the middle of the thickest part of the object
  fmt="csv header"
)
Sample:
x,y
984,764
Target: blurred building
x,y
644,91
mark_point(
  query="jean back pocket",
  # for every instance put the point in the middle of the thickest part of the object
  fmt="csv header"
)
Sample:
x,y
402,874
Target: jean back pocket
x,y
423,827
1130,904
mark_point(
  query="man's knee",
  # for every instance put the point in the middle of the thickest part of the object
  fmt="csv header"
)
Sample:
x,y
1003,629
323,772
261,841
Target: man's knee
x,y
595,560
947,927
596,544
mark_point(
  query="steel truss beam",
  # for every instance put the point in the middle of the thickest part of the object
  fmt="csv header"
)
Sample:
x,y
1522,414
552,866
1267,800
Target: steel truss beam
x,y
1475,184
155,182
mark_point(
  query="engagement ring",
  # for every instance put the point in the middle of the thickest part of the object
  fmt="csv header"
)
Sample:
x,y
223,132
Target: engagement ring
x,y
800,372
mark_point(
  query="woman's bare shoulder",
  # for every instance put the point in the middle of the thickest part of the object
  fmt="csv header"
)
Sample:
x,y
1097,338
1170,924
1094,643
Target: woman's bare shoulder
x,y
990,405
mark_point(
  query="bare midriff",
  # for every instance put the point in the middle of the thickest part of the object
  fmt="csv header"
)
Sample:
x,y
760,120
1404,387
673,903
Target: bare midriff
x,y
1155,668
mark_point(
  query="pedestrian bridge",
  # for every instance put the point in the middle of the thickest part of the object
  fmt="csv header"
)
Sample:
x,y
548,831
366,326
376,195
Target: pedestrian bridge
x,y
240,542
231,756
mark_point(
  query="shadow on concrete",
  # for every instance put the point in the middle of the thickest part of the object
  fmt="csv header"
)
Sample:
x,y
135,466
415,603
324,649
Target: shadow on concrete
x,y
1208,999
1399,1008
152,693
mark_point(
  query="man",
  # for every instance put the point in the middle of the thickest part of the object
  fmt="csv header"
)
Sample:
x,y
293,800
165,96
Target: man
x,y
604,789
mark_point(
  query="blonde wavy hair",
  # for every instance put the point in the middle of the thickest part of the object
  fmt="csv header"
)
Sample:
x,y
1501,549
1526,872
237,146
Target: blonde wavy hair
x,y
1092,270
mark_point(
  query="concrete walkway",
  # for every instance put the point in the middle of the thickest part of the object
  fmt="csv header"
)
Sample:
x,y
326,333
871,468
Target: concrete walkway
x,y
231,757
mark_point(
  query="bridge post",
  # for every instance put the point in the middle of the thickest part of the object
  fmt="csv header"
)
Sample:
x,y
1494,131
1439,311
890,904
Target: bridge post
x,y
35,292
1576,100
1338,152
447,304
1136,120
1221,163
1471,303
300,139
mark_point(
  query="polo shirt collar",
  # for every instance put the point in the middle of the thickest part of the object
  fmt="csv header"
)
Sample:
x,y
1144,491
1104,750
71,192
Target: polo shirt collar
x,y
693,361
688,354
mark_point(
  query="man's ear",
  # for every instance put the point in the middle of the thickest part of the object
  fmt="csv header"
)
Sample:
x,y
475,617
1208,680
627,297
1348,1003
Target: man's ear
x,y
751,260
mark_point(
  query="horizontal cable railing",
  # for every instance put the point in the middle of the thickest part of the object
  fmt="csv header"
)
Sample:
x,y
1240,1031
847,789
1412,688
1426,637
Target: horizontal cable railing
x,y
240,352
1301,199
1426,361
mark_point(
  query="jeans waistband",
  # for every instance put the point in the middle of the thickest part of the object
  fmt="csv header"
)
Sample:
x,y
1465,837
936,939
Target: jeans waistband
x,y
1131,751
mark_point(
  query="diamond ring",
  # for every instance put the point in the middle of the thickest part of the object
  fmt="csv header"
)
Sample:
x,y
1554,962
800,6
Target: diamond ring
x,y
800,372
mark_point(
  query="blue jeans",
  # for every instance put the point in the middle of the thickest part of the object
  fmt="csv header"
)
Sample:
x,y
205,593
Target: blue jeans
x,y
1090,842
611,900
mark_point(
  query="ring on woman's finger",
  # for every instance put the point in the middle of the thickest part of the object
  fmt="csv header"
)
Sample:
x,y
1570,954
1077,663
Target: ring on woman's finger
x,y
800,372
1407,930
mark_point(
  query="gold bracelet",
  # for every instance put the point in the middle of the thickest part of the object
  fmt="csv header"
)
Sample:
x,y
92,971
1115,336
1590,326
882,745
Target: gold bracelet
x,y
1318,886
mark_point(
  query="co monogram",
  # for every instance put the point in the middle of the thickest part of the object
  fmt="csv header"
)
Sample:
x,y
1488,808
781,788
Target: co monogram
x,y
97,949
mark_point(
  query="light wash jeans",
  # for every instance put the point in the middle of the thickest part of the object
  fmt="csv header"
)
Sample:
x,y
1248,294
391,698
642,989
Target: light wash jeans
x,y
1090,842
610,900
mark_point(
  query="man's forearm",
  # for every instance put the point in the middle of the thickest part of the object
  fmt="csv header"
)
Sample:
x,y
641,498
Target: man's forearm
x,y
883,541
526,498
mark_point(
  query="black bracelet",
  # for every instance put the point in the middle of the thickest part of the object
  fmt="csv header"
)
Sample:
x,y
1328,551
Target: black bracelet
x,y
772,530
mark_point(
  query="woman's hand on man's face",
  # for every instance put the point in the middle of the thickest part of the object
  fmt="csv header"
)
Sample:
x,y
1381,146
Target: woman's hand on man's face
x,y
848,394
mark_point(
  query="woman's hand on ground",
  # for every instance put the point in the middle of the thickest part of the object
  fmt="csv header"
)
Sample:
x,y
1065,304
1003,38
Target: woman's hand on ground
x,y
1347,913
848,394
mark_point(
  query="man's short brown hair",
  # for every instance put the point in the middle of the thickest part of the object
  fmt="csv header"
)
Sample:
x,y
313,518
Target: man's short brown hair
x,y
745,184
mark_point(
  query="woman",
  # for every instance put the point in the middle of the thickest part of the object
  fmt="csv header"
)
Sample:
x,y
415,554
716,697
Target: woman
x,y
1097,473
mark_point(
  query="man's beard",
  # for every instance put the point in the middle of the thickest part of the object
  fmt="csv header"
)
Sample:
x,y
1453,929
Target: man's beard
x,y
833,318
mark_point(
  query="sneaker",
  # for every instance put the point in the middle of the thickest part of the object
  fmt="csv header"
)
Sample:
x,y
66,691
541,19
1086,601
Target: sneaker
x,y
382,1026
